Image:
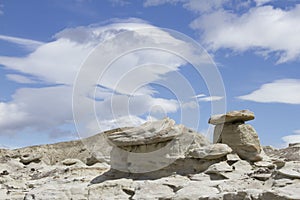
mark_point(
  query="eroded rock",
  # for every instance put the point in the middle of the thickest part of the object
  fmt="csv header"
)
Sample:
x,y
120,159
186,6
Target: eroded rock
x,y
194,168
232,117
211,152
149,133
243,140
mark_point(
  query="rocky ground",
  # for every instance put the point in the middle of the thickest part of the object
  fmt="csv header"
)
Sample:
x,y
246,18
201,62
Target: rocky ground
x,y
133,166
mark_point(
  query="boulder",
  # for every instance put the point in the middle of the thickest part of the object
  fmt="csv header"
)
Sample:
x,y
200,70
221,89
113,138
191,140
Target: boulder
x,y
243,140
166,143
148,133
29,158
232,117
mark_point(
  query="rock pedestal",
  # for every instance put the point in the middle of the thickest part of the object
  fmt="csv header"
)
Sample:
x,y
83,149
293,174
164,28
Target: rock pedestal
x,y
231,129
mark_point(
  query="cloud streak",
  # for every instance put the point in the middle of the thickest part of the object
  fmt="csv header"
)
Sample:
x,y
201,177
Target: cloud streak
x,y
19,78
204,98
27,43
279,91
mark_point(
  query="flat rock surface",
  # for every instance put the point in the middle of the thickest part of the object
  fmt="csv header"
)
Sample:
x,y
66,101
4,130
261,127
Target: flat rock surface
x,y
210,152
231,117
148,133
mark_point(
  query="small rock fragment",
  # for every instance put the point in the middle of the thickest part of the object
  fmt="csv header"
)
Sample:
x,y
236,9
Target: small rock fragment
x,y
28,158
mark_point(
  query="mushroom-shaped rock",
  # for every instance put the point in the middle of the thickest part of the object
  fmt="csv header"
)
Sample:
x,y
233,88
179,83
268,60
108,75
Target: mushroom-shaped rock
x,y
231,117
156,145
148,133
231,129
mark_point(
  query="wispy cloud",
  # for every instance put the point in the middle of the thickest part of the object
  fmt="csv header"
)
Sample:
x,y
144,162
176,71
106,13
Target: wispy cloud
x,y
59,61
211,98
19,78
279,91
260,27
294,138
204,98
27,43
263,28
199,95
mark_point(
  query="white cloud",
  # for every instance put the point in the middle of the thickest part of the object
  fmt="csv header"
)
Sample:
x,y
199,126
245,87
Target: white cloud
x,y
262,28
279,91
189,105
19,78
199,95
236,25
211,98
204,98
64,56
295,138
29,44
36,108
54,62
123,105
45,109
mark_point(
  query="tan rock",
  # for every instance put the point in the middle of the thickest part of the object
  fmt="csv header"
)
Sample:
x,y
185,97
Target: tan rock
x,y
232,117
219,167
290,170
195,190
152,190
148,133
28,158
243,140
232,157
211,152
69,162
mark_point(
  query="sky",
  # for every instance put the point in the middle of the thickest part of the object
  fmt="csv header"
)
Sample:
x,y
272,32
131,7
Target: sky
x,y
71,69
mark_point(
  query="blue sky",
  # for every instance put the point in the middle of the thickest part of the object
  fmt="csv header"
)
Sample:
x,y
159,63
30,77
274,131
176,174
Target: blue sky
x,y
255,46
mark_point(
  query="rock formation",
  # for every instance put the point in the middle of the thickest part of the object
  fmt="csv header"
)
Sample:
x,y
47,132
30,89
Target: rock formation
x,y
164,148
172,161
231,129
